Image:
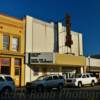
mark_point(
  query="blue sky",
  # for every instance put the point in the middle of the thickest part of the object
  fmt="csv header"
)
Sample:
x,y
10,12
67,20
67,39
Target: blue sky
x,y
85,16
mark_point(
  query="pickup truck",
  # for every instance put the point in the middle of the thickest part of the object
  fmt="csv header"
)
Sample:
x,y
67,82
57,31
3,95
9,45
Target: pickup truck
x,y
80,80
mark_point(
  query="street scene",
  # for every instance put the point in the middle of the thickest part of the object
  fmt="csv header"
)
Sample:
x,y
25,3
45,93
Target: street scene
x,y
49,50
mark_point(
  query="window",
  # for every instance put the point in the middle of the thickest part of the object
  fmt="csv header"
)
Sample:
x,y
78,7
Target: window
x,y
87,76
15,44
55,77
61,77
6,42
5,70
5,66
84,76
91,75
8,78
17,71
49,78
17,66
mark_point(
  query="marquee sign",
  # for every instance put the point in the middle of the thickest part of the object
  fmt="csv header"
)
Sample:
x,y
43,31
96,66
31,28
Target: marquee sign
x,y
41,58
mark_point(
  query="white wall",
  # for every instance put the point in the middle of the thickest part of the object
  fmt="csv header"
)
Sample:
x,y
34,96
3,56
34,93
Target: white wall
x,y
39,38
77,46
39,35
93,62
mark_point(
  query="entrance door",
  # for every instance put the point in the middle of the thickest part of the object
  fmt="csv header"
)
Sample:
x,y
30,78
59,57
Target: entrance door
x,y
69,74
17,65
44,71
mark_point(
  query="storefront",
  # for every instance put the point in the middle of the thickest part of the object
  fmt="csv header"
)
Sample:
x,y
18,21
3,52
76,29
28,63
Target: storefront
x,y
38,64
93,66
12,48
52,63
70,64
12,65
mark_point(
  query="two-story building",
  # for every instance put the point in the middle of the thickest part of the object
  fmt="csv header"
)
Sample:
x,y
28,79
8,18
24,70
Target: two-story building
x,y
12,48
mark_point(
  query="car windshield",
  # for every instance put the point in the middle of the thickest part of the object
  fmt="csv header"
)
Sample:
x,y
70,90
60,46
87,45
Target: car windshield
x,y
8,78
76,76
40,78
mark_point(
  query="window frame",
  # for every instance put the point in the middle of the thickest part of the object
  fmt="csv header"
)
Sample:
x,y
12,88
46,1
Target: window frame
x,y
7,43
17,66
18,43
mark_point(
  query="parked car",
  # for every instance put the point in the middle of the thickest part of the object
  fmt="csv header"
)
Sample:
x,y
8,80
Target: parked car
x,y
80,80
46,82
7,84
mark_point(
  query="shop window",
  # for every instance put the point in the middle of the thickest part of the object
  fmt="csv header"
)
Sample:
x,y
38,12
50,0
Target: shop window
x,y
17,66
5,70
15,43
5,66
35,70
6,42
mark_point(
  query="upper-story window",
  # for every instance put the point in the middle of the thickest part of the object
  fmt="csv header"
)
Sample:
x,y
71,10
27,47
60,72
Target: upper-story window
x,y
15,43
6,42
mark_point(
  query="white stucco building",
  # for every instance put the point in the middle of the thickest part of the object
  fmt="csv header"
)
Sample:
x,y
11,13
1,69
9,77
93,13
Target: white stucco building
x,y
93,65
45,49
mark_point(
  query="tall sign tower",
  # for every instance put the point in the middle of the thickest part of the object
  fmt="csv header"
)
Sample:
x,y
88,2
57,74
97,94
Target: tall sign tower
x,y
68,41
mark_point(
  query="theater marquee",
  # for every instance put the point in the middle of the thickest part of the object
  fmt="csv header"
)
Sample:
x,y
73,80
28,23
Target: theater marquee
x,y
41,58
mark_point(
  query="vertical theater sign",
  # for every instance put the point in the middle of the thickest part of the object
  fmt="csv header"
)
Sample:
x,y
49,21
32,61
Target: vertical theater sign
x,y
68,41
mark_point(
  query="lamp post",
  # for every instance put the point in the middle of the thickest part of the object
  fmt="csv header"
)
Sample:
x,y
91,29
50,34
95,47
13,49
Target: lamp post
x,y
89,62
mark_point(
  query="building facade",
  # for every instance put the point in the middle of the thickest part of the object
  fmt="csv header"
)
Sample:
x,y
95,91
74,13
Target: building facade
x,y
39,39
71,59
46,53
77,46
30,48
12,48
93,66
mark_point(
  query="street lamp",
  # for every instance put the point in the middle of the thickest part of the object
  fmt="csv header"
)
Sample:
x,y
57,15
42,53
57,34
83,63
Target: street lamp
x,y
89,62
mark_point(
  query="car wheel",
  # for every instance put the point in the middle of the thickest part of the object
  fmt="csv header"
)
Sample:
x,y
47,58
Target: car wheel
x,y
60,87
28,90
80,84
92,83
40,88
6,91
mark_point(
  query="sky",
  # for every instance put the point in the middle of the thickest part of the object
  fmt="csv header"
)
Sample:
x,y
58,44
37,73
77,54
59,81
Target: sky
x,y
85,16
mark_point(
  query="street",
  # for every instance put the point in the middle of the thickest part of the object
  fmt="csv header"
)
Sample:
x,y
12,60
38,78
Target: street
x,y
85,93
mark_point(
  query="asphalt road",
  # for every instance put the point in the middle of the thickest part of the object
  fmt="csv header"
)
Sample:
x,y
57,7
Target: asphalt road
x,y
68,93
96,87
84,93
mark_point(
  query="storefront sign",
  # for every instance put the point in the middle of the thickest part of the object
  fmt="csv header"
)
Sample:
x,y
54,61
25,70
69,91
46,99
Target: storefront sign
x,y
41,58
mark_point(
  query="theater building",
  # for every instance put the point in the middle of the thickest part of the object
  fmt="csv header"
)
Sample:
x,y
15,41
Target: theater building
x,y
46,53
12,48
